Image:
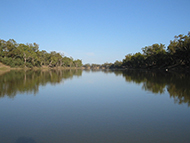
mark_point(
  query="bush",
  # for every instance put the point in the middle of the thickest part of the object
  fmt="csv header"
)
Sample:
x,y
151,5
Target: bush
x,y
12,62
29,65
6,61
18,62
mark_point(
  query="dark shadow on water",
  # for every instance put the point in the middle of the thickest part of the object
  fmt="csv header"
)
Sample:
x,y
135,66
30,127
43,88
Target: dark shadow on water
x,y
25,140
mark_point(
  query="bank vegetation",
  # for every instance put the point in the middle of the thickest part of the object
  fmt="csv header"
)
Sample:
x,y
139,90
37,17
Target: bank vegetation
x,y
29,56
175,57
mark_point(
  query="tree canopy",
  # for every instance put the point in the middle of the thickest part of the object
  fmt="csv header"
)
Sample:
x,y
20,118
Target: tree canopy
x,y
29,55
157,56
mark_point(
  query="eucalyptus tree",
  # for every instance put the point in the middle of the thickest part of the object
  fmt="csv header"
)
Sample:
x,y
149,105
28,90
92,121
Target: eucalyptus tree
x,y
87,66
67,62
77,63
127,60
11,46
42,57
179,49
23,52
137,60
117,64
154,54
55,59
33,49
106,65
2,47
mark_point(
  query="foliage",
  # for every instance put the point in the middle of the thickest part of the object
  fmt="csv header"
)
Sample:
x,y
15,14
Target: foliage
x,y
29,55
155,56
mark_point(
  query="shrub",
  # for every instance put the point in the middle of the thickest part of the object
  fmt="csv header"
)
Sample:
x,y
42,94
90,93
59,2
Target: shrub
x,y
29,65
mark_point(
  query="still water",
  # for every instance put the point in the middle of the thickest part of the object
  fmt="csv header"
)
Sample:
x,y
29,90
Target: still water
x,y
75,106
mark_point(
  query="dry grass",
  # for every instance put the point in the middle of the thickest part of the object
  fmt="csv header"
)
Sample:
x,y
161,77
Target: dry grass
x,y
4,67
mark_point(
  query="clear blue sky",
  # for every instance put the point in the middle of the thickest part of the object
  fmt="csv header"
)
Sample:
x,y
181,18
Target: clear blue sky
x,y
96,31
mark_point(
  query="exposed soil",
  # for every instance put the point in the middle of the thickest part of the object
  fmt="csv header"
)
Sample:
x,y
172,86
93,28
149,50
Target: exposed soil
x,y
4,68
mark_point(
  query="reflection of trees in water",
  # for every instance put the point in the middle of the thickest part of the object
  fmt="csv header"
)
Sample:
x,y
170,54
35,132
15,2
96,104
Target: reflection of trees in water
x,y
177,85
179,89
29,81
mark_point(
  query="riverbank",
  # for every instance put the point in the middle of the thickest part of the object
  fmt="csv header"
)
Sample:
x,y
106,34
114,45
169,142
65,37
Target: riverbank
x,y
4,67
180,68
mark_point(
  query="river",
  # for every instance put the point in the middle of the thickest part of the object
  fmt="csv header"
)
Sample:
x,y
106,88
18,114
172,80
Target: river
x,y
86,106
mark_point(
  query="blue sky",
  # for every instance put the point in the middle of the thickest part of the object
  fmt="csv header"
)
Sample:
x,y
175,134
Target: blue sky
x,y
96,31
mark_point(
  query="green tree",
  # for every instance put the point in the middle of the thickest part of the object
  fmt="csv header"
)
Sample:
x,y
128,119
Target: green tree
x,y
55,59
179,50
11,46
127,60
67,62
2,48
154,54
77,63
154,49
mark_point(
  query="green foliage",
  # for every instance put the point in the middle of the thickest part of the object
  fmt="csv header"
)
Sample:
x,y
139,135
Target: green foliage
x,y
12,62
86,65
29,65
28,55
67,62
78,63
107,65
179,50
6,60
155,56
117,64
154,49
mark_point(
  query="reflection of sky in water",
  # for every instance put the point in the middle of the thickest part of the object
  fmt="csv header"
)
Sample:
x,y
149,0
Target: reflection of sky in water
x,y
95,107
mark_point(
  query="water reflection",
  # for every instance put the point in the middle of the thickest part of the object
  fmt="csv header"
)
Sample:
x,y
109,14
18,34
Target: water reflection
x,y
177,85
14,82
106,109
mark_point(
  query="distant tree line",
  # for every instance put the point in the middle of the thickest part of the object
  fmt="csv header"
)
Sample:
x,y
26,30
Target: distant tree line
x,y
156,56
177,55
29,55
97,66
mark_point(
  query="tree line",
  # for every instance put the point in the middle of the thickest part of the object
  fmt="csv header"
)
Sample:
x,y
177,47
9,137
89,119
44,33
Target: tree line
x,y
156,56
29,55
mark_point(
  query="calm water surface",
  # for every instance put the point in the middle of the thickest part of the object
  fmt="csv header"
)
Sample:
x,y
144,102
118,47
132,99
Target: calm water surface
x,y
75,106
